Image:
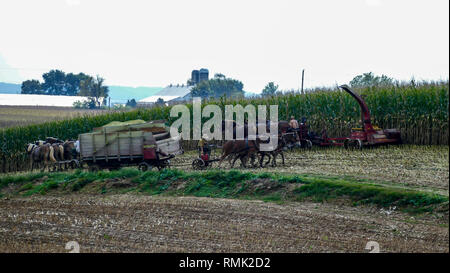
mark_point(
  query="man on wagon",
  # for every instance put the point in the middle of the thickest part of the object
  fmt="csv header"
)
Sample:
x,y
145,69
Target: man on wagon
x,y
203,147
303,129
293,123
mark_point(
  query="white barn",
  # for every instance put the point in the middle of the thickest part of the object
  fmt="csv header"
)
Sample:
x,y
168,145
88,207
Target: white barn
x,y
39,100
170,93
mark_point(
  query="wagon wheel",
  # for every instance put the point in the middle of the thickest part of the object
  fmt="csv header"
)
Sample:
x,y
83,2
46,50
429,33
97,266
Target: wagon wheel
x,y
74,164
198,164
353,144
162,164
144,166
359,144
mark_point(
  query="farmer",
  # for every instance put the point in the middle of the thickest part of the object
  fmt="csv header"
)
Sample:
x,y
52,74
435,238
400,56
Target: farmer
x,y
303,129
293,123
202,146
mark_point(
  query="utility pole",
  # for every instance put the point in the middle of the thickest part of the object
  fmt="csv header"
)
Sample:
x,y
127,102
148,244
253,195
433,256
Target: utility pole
x,y
303,78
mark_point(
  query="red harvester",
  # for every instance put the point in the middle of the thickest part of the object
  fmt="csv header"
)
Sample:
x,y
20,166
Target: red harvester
x,y
368,135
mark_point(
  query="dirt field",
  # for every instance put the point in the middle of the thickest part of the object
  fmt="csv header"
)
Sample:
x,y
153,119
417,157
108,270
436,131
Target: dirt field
x,y
129,223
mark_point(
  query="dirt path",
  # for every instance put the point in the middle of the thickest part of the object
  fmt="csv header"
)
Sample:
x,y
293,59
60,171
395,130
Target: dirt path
x,y
130,223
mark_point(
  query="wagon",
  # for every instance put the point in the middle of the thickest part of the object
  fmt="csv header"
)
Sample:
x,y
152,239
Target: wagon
x,y
205,161
133,143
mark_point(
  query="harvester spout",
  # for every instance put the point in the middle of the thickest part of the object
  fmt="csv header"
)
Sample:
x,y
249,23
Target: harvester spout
x,y
365,114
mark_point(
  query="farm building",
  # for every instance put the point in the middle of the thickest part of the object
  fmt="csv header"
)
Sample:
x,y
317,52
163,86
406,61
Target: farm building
x,y
199,75
169,94
177,93
39,100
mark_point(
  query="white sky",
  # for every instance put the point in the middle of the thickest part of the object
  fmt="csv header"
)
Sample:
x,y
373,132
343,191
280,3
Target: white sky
x,y
155,43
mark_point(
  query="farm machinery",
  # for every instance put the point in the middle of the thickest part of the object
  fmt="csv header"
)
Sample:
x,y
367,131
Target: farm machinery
x,y
135,143
367,135
205,160
112,146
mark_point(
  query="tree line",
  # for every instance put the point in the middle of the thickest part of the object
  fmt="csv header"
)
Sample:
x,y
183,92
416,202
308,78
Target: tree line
x,y
217,87
59,83
360,81
220,86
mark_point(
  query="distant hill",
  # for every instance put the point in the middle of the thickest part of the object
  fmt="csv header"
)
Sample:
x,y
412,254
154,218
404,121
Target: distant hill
x,y
118,94
10,88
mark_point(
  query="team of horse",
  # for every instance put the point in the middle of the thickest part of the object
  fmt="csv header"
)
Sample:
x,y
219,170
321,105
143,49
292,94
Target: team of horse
x,y
45,153
250,148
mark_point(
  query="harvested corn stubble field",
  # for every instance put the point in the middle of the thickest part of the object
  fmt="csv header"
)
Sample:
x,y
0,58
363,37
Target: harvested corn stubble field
x,y
127,223
410,166
12,116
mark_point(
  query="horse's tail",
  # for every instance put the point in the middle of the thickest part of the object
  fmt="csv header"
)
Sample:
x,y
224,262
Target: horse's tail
x,y
61,151
52,154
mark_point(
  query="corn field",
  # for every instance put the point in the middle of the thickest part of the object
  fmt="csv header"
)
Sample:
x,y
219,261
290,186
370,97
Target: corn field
x,y
420,111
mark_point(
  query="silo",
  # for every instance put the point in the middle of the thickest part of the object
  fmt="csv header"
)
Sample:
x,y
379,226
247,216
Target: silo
x,y
203,74
195,76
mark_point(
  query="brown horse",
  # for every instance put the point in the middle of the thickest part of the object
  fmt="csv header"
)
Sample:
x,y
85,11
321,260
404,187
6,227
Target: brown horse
x,y
239,149
59,151
69,148
283,126
284,140
234,149
245,149
41,155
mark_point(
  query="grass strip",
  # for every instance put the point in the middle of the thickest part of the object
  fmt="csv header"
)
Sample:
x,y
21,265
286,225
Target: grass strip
x,y
270,187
